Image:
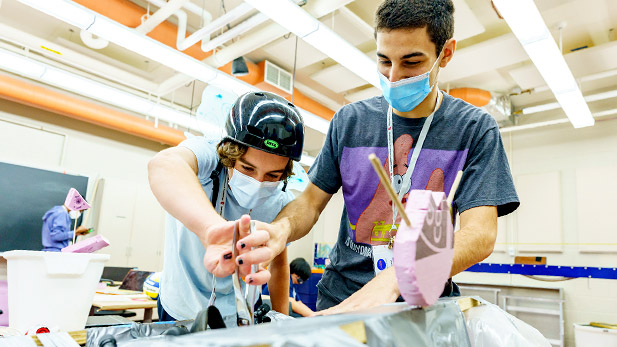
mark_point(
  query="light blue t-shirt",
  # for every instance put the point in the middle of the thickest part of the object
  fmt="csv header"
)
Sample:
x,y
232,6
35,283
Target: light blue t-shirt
x,y
186,285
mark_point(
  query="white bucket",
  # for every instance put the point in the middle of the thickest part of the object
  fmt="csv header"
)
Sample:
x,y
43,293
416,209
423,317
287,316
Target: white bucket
x,y
51,289
590,336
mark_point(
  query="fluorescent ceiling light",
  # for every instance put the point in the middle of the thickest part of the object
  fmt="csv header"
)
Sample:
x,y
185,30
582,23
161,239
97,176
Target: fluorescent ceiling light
x,y
137,42
312,31
133,40
102,92
95,90
15,63
553,105
529,28
288,15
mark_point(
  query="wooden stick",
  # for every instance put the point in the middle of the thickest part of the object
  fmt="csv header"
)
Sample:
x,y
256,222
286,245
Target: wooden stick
x,y
454,187
383,177
74,230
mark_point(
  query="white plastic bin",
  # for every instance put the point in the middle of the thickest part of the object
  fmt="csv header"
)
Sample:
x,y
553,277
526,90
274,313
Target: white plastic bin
x,y
51,289
589,336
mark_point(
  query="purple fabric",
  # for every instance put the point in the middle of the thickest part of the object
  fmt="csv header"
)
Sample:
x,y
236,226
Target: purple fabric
x,y
56,232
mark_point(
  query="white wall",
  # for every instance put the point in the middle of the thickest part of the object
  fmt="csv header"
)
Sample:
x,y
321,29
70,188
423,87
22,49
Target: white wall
x,y
567,183
128,214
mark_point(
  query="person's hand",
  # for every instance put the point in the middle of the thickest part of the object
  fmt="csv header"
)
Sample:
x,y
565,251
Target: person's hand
x,y
219,259
269,240
382,289
81,230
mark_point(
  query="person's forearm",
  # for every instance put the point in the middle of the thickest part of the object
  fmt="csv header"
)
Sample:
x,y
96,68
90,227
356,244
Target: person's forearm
x,y
299,216
278,286
471,247
300,308
61,235
177,189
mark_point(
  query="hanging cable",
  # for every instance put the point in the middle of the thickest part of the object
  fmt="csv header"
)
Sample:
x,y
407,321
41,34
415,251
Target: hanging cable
x,y
293,76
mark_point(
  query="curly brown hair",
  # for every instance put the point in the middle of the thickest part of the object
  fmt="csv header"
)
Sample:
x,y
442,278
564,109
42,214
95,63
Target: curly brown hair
x,y
230,151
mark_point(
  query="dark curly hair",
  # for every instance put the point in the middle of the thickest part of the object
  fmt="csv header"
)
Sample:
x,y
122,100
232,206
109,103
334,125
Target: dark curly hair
x,y
436,15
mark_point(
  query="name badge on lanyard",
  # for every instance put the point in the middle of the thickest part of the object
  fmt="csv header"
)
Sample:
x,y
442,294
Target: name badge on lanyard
x,y
383,255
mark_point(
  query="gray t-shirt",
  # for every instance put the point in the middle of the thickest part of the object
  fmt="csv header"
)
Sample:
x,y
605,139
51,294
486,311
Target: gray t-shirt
x,y
461,137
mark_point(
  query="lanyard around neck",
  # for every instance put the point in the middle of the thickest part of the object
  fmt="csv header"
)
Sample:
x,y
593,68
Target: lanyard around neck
x,y
406,179
221,204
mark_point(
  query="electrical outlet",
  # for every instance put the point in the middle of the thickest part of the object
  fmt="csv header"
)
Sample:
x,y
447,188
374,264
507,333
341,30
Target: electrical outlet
x,y
511,251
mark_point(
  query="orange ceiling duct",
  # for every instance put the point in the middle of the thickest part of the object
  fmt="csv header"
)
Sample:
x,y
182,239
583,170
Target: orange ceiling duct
x,y
49,100
129,14
474,96
256,78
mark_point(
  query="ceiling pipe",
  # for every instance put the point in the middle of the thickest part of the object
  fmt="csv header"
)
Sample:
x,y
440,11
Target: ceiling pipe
x,y
237,30
181,39
129,14
30,94
269,33
164,12
474,96
215,25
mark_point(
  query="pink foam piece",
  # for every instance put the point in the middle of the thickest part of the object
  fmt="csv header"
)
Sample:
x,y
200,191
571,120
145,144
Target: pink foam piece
x,y
423,253
4,304
75,202
88,245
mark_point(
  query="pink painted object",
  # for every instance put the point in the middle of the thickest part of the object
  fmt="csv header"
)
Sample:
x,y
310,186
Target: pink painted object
x,y
423,254
4,304
75,202
89,245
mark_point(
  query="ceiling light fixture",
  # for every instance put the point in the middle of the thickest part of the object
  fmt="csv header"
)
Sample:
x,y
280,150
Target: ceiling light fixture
x,y
553,105
529,28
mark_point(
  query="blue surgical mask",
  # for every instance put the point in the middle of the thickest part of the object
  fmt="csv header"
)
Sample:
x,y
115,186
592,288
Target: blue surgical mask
x,y
249,192
404,95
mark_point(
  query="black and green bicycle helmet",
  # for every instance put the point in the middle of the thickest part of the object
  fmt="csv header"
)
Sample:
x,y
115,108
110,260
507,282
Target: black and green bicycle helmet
x,y
267,122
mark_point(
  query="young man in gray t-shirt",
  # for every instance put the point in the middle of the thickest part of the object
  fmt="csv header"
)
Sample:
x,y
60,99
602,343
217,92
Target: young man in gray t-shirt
x,y
414,42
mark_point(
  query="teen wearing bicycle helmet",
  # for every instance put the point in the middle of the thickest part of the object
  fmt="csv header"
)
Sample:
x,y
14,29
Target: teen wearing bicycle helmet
x,y
202,184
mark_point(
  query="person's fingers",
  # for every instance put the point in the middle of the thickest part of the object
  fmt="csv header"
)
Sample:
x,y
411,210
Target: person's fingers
x,y
245,226
255,239
219,262
258,278
255,256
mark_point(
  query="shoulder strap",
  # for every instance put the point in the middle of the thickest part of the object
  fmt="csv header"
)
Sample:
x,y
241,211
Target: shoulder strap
x,y
215,177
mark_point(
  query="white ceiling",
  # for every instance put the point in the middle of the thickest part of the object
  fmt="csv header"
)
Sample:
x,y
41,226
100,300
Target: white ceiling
x,y
488,55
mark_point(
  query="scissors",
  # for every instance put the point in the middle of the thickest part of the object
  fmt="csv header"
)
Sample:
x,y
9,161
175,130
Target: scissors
x,y
246,300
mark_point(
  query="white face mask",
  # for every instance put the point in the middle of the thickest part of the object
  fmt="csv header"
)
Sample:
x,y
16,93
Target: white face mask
x,y
74,214
249,192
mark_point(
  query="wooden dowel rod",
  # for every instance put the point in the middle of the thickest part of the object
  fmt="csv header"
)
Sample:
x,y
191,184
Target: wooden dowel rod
x,y
454,187
383,177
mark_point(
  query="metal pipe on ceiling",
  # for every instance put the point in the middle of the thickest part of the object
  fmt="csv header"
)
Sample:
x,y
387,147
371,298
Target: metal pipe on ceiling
x,y
164,12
